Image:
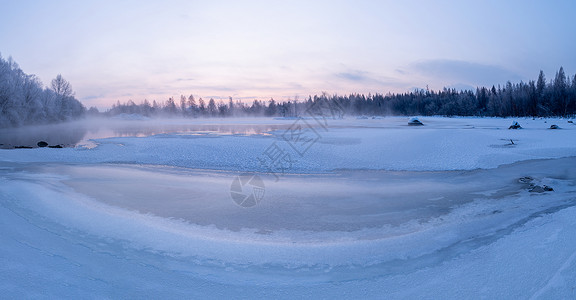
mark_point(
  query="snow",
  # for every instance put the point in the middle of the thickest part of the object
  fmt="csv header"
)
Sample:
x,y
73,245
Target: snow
x,y
444,144
373,209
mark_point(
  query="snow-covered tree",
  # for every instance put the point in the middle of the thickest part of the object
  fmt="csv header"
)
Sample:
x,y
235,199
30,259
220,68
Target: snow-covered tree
x,y
23,100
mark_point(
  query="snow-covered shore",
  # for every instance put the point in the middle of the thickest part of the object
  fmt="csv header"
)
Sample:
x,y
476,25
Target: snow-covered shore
x,y
371,209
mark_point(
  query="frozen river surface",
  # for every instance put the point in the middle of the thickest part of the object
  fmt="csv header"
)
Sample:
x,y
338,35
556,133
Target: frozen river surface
x,y
370,208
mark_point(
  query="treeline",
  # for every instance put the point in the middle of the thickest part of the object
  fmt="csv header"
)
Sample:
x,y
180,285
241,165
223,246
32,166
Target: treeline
x,y
190,107
24,101
534,98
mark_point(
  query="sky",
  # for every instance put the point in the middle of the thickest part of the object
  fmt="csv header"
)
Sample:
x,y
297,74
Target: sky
x,y
136,50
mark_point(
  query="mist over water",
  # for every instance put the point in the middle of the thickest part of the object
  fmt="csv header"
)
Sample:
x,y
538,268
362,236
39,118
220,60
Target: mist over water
x,y
80,133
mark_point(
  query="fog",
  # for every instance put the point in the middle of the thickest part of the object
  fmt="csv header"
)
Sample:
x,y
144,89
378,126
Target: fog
x,y
81,132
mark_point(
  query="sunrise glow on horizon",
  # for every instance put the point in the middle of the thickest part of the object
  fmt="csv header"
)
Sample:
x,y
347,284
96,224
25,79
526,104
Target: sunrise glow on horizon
x,y
136,50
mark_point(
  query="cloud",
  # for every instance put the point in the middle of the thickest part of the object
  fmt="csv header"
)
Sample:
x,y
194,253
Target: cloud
x,y
360,78
401,72
354,76
91,97
464,73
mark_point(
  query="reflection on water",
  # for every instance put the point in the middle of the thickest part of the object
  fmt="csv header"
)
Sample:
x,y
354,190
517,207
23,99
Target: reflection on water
x,y
79,133
66,135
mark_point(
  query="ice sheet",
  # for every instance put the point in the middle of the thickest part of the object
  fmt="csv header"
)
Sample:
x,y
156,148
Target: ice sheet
x,y
384,144
316,220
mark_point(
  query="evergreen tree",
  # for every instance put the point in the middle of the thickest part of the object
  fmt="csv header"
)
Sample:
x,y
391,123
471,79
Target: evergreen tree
x,y
183,105
212,110
559,93
202,107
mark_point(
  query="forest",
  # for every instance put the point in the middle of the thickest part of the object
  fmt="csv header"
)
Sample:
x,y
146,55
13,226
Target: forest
x,y
543,98
24,100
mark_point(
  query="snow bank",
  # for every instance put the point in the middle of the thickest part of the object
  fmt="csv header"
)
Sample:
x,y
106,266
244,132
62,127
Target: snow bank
x,y
475,245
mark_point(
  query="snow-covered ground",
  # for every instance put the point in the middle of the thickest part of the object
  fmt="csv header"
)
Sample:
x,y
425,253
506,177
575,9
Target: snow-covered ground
x,y
368,208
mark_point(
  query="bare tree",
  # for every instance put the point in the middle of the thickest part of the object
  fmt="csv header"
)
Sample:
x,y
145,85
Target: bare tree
x,y
62,87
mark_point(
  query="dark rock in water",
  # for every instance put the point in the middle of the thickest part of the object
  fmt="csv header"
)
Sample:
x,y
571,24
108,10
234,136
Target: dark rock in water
x,y
526,179
554,127
57,146
42,144
541,189
22,147
515,125
415,122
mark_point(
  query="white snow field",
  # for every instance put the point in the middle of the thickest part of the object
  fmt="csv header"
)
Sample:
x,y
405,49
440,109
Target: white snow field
x,y
354,209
